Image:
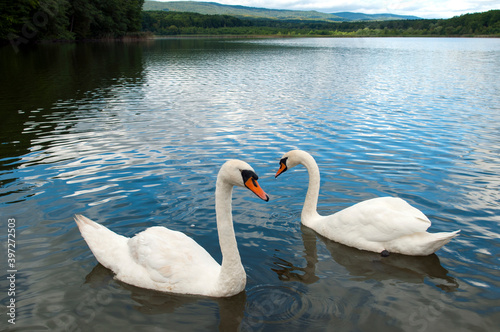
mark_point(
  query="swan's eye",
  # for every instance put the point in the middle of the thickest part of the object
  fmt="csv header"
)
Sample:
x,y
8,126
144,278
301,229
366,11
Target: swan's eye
x,y
247,174
283,161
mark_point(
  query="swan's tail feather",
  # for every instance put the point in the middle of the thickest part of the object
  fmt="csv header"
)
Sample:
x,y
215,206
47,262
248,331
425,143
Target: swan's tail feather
x,y
420,244
82,221
445,237
104,243
438,240
449,235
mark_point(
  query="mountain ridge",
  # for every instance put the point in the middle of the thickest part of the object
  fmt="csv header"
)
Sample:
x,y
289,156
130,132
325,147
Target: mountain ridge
x,y
214,8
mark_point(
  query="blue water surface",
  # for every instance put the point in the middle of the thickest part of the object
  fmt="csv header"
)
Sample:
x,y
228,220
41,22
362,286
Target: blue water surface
x,y
133,135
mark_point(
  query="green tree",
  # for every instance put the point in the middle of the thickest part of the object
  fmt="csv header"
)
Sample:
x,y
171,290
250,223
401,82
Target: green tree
x,y
24,21
13,15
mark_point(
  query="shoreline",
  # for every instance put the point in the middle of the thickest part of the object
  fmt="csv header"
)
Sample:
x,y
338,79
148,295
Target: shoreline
x,y
152,37
309,36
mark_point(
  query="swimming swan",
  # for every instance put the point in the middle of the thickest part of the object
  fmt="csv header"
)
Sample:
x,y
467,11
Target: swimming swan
x,y
169,261
383,225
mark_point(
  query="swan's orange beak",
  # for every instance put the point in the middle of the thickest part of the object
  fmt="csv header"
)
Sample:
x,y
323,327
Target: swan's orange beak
x,y
253,185
282,169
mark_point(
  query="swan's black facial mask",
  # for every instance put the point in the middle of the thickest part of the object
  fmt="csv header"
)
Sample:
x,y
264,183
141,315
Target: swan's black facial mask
x,y
247,174
283,167
250,181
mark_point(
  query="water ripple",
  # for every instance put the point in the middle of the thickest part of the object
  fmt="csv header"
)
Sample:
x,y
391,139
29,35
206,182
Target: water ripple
x,y
140,145
271,305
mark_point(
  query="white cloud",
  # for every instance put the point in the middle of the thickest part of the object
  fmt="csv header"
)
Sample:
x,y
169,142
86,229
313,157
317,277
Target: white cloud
x,y
421,8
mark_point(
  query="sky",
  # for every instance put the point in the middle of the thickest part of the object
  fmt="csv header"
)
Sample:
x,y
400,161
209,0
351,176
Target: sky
x,y
420,8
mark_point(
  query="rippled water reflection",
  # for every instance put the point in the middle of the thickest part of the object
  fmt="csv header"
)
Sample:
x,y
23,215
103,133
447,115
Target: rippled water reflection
x,y
133,135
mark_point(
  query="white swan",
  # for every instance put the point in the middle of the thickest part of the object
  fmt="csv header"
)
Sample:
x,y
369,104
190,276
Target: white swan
x,y
169,261
383,225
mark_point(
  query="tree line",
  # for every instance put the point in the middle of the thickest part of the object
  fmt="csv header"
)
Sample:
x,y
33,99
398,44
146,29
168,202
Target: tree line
x,y
26,21
175,23
184,23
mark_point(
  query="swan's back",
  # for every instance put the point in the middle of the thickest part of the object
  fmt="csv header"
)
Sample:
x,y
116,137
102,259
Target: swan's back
x,y
170,254
374,221
171,260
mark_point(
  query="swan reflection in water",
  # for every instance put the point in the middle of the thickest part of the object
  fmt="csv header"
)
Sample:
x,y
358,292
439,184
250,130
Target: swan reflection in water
x,y
364,265
231,309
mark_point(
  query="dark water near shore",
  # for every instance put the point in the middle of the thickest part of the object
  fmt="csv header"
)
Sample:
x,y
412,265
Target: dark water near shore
x,y
133,135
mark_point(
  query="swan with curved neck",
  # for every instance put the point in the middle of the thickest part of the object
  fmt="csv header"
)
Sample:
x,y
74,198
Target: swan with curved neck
x,y
383,224
169,261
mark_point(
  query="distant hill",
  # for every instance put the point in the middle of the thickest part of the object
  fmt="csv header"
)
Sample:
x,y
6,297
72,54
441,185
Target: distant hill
x,y
213,8
350,16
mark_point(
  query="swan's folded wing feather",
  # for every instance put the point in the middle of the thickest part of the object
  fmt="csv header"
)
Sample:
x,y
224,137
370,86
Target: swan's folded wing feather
x,y
170,256
383,219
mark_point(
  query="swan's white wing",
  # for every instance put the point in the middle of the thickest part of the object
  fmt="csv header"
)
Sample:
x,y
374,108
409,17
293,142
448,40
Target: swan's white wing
x,y
172,258
381,219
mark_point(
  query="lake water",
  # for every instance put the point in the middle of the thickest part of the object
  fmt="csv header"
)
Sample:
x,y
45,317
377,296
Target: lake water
x,y
133,135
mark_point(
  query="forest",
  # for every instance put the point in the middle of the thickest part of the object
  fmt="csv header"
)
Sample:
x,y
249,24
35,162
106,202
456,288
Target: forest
x,y
183,23
29,21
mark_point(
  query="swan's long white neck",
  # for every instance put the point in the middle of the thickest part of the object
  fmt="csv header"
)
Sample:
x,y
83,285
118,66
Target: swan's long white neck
x,y
232,271
309,211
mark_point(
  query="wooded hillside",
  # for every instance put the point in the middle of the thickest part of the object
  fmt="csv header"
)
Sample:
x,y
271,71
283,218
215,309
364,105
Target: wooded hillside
x,y
213,8
177,23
